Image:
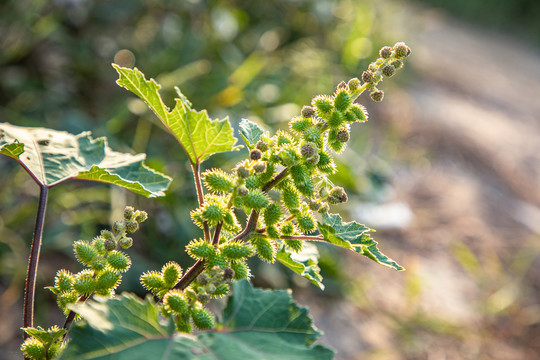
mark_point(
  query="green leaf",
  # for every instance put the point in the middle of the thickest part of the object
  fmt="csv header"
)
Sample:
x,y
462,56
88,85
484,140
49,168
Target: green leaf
x,y
46,337
200,136
257,324
52,157
250,132
304,263
353,236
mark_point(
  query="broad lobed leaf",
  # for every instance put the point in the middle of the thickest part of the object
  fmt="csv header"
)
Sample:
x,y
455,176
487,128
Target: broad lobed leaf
x,y
195,131
257,324
353,236
52,157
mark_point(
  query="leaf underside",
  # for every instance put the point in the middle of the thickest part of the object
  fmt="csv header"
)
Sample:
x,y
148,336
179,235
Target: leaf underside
x,y
304,263
257,324
353,236
199,136
250,132
52,157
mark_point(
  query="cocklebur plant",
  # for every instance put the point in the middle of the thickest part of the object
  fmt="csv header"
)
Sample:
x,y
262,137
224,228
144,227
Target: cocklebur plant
x,y
284,189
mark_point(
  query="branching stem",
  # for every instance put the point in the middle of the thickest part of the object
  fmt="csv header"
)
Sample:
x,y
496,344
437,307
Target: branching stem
x,y
30,288
200,195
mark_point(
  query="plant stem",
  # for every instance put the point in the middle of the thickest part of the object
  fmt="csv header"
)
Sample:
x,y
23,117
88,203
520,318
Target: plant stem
x,y
30,288
71,315
302,237
200,196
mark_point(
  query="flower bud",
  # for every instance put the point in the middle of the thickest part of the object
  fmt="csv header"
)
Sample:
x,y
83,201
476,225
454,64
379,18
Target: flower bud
x,y
242,172
255,154
307,111
128,213
377,95
385,52
308,149
203,298
388,70
401,50
242,191
228,274
141,216
118,227
110,244
343,135
353,84
125,242
341,85
260,167
132,226
367,76
313,160
261,145
337,195
221,290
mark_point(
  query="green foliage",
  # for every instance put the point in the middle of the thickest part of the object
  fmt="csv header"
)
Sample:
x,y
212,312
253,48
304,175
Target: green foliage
x,y
255,324
52,157
199,136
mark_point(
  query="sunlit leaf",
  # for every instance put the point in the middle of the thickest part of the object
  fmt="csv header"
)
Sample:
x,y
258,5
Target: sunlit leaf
x,y
353,236
195,131
52,157
304,263
257,324
250,132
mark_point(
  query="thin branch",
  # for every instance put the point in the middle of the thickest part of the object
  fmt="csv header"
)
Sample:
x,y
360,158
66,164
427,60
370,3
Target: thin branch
x,y
275,180
30,288
191,275
200,196
72,314
302,237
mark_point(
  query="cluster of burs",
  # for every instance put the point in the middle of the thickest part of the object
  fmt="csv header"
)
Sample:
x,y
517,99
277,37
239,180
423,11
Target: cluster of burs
x,y
103,267
281,185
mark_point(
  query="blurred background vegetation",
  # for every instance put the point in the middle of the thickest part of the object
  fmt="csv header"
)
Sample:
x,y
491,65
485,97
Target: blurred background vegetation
x,y
264,60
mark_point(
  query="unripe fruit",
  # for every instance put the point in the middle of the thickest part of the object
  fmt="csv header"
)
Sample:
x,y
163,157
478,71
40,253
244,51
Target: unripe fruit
x,y
63,280
252,182
242,172
343,135
342,99
221,290
33,349
212,213
367,76
84,283
308,149
217,180
388,70
353,84
152,280
202,319
183,325
299,174
217,260
132,226
241,270
98,264
108,280
398,64
322,104
235,250
176,301
385,52
299,124
335,119
66,298
256,199
336,145
125,242
200,249
312,134
255,154
118,260
110,244
84,252
307,111
282,138
295,245
272,214
306,223
360,112
99,244
266,248
272,232
261,145
291,198
287,228
377,95
203,279
306,188
171,273
128,213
